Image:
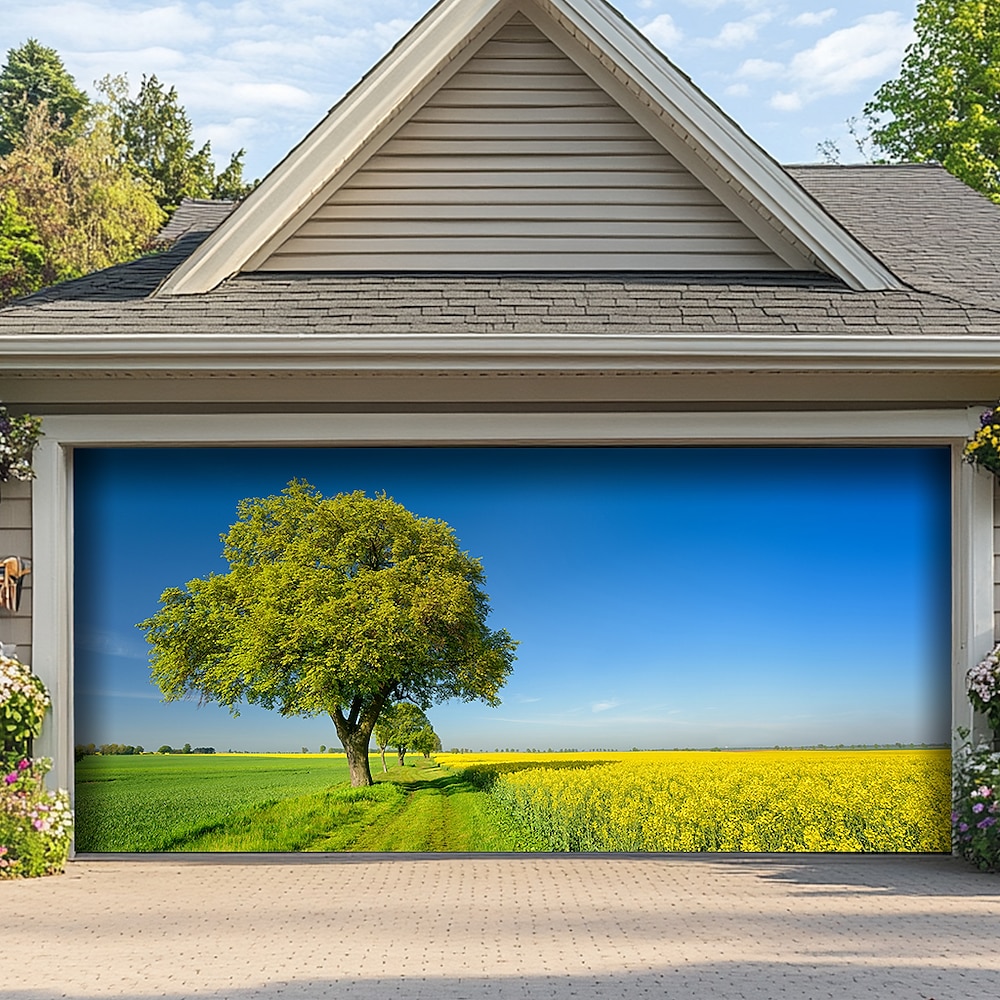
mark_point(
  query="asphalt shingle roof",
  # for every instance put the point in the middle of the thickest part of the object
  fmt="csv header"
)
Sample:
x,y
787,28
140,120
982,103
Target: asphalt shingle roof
x,y
937,236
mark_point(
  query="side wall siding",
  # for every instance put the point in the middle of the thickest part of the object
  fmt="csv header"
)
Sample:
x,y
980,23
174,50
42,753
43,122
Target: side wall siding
x,y
15,540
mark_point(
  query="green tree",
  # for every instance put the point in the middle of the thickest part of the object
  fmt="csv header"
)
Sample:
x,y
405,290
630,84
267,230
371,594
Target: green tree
x,y
68,208
338,605
945,104
32,75
426,741
398,726
155,137
23,259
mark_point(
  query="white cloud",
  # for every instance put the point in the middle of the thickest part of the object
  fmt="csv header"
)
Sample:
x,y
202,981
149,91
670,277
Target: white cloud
x,y
813,19
786,101
129,647
80,25
662,32
604,706
846,59
760,69
737,90
737,34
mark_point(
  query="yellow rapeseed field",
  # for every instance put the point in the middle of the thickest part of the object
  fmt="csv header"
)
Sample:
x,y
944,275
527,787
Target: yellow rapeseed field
x,y
781,800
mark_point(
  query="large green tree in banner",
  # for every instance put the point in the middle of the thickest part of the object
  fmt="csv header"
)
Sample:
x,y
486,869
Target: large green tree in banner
x,y
339,605
34,74
945,103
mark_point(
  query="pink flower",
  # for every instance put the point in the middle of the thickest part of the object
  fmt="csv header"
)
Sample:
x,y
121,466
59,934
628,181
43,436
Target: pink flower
x,y
41,825
11,778
23,765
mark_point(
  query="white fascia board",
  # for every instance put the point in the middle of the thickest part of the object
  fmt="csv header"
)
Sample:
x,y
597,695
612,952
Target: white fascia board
x,y
484,353
331,429
723,140
427,47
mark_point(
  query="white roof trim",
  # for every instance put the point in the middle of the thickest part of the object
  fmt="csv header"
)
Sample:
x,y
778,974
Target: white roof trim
x,y
429,48
502,352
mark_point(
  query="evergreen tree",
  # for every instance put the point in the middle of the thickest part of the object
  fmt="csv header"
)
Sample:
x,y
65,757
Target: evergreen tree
x,y
32,75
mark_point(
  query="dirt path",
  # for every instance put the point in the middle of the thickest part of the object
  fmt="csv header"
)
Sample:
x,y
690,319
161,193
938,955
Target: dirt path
x,y
440,812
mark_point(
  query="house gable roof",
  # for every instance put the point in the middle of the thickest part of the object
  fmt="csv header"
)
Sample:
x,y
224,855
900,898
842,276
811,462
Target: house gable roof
x,y
750,200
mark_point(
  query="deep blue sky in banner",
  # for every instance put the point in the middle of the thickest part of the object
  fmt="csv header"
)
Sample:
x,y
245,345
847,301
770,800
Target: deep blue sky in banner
x,y
674,597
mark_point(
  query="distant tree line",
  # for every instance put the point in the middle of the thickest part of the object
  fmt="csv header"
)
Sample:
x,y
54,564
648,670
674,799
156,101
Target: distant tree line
x,y
82,750
87,183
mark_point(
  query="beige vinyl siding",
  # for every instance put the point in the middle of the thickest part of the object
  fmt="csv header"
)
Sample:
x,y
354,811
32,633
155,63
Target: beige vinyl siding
x,y
15,540
521,162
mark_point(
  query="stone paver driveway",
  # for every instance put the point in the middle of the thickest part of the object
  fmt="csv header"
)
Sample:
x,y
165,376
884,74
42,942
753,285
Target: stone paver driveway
x,y
449,927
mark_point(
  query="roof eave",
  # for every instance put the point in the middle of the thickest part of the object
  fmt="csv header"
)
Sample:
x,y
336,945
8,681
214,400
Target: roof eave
x,y
485,353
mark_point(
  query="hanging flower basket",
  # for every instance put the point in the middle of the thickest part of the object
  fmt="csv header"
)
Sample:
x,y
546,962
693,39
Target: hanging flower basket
x,y
983,448
18,438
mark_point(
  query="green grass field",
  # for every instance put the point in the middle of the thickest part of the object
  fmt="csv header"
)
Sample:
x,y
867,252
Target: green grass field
x,y
250,802
894,800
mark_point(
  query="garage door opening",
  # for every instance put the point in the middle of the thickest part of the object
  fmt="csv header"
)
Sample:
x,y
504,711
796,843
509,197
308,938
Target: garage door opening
x,y
719,649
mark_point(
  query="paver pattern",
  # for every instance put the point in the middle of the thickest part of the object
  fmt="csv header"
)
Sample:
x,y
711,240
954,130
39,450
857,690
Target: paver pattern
x,y
449,927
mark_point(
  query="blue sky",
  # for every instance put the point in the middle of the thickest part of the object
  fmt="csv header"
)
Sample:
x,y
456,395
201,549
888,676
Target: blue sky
x,y
662,597
260,73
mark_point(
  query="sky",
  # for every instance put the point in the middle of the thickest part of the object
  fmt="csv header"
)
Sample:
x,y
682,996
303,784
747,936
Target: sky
x,y
259,74
662,597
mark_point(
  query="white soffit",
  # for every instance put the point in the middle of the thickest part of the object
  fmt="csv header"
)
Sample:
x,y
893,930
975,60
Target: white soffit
x,y
612,53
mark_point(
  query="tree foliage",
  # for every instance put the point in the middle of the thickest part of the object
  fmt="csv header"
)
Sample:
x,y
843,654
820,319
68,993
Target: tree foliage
x,y
155,136
85,185
338,605
403,726
68,209
945,104
34,75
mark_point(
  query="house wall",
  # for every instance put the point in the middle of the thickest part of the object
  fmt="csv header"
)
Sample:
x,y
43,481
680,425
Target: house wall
x,y
15,540
521,161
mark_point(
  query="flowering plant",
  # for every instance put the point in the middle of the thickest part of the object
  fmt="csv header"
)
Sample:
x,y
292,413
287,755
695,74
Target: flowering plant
x,y
35,824
23,704
18,437
984,687
975,820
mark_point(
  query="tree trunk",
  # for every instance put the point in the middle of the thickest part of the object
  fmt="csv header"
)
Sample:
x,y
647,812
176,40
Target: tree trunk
x,y
385,768
402,754
355,740
355,732
357,760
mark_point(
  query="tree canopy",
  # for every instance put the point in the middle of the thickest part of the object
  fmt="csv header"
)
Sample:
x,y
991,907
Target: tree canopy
x,y
339,605
945,104
404,726
33,75
68,208
155,136
83,184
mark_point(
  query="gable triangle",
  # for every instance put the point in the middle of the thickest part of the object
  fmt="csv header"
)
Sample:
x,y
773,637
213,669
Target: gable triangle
x,y
521,161
535,135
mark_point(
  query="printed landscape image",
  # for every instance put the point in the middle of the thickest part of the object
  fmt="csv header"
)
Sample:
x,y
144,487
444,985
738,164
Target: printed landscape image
x,y
512,649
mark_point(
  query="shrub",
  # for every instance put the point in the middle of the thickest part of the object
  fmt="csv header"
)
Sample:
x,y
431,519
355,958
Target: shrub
x,y
35,824
976,816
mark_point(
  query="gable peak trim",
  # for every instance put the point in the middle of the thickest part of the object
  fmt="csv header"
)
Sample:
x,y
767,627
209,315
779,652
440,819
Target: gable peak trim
x,y
450,31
